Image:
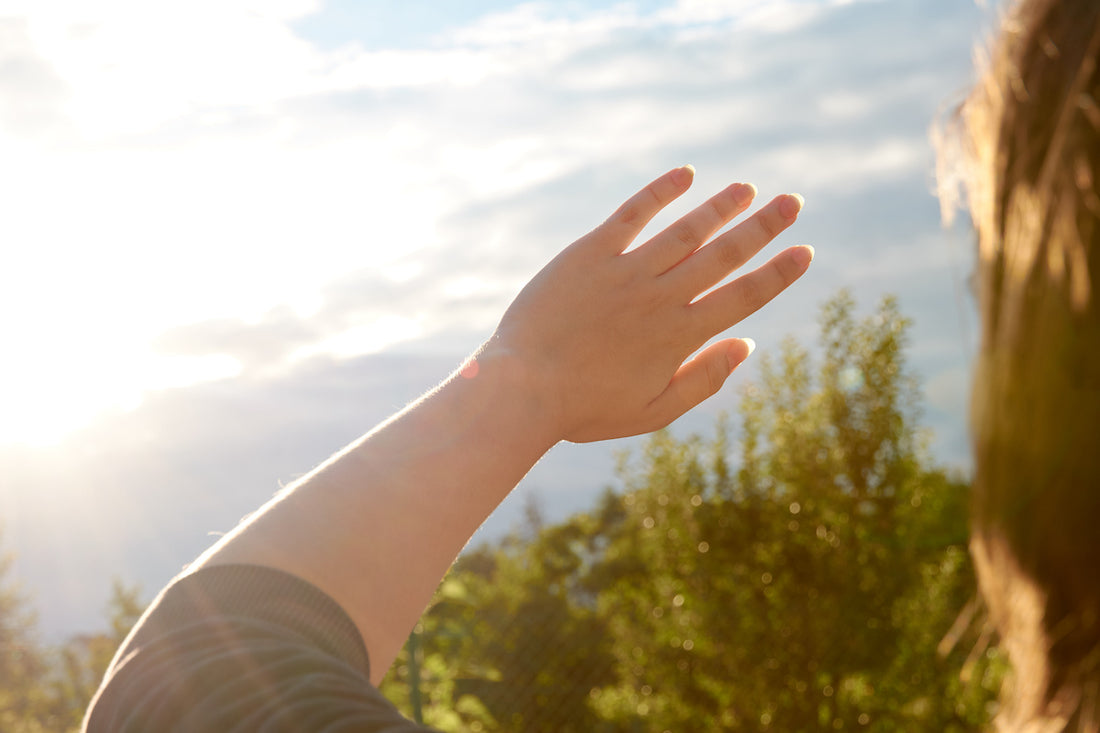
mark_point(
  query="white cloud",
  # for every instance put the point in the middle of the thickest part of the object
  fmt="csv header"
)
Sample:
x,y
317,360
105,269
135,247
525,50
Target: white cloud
x,y
190,162
546,25
201,208
775,17
128,65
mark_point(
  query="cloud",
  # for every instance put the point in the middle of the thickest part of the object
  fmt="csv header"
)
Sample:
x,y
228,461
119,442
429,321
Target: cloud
x,y
253,345
129,64
386,160
299,239
138,494
31,92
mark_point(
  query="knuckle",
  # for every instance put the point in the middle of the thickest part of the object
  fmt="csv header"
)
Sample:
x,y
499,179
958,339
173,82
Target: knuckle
x,y
788,269
651,198
767,224
637,209
716,374
729,256
629,215
750,294
721,210
686,236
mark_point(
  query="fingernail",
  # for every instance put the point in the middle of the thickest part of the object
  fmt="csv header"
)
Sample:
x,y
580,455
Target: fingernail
x,y
791,204
736,361
806,255
743,193
685,174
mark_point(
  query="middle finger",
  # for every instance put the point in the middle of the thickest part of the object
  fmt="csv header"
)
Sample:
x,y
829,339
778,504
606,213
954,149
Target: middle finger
x,y
713,262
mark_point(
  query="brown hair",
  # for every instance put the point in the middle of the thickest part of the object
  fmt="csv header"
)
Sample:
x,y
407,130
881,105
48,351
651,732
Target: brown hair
x,y
1030,132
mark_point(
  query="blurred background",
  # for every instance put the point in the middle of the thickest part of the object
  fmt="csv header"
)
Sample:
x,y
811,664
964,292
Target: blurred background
x,y
237,234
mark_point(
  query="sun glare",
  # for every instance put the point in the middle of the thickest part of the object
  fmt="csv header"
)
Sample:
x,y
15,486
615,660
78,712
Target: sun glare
x,y
48,395
52,388
368,338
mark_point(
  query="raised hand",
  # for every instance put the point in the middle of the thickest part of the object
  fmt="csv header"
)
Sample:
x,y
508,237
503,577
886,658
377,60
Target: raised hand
x,y
601,334
594,347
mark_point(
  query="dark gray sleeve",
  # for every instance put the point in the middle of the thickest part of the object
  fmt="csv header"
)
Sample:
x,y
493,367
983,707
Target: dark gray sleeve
x,y
243,648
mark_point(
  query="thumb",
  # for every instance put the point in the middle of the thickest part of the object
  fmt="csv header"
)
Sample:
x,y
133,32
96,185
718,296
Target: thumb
x,y
699,378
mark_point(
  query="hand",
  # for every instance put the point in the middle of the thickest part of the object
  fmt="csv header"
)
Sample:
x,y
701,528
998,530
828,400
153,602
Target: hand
x,y
601,334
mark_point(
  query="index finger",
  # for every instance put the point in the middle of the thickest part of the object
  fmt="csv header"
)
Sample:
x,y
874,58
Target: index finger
x,y
632,217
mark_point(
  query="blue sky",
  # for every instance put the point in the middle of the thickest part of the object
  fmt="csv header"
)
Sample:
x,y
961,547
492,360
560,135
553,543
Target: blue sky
x,y
405,24
238,233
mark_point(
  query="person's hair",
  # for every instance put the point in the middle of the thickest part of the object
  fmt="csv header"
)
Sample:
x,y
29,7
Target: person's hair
x,y
1030,135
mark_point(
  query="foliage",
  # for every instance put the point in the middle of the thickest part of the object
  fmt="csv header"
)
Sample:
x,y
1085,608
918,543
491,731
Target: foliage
x,y
80,664
810,575
804,578
23,704
513,641
47,689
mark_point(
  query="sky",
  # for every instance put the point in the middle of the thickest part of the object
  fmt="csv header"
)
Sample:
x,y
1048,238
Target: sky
x,y
236,234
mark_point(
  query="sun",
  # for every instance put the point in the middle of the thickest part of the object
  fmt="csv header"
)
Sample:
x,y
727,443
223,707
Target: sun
x,y
57,383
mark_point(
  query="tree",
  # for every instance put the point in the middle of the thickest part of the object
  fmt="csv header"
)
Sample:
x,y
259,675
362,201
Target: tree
x,y
80,664
808,589
24,704
804,576
45,689
513,641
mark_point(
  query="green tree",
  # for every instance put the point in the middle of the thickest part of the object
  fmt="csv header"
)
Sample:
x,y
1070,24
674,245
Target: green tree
x,y
513,640
78,666
808,589
48,689
24,703
806,576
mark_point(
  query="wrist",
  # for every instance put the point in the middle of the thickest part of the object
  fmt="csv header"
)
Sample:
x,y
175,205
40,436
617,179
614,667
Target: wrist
x,y
518,387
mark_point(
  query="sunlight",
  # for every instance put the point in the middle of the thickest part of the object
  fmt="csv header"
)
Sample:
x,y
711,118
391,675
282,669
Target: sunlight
x,y
367,338
205,204
58,388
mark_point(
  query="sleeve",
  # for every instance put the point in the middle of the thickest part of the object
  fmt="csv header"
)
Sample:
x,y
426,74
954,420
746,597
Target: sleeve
x,y
239,648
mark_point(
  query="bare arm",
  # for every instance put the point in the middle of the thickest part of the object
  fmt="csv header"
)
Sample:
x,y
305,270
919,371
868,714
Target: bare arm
x,y
593,348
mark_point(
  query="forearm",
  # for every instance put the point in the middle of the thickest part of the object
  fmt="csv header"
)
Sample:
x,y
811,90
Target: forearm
x,y
598,345
379,524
